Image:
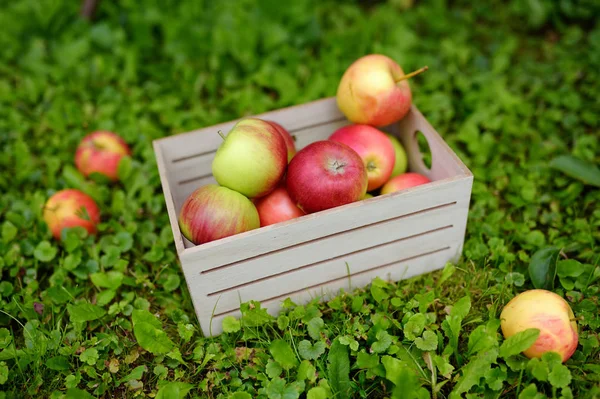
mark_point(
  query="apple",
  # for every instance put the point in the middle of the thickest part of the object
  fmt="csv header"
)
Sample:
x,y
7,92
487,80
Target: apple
x,y
100,152
213,212
401,163
277,206
404,181
71,208
252,158
548,312
374,91
288,138
326,174
373,146
367,196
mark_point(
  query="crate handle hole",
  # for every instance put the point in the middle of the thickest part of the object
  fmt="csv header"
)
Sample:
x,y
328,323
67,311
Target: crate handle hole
x,y
424,150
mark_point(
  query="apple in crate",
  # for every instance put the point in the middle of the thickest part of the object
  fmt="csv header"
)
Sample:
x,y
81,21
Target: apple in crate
x,y
374,90
326,174
287,137
549,313
401,164
212,212
404,181
71,208
277,206
375,149
100,152
251,159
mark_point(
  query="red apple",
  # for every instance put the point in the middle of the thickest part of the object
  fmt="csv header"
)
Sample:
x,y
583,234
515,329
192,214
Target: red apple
x,y
71,208
374,147
374,91
100,152
212,212
252,158
289,140
326,174
403,181
277,206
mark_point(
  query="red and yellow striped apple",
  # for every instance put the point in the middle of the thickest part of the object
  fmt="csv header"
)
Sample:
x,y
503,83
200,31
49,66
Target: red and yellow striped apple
x,y
374,90
252,158
71,208
213,212
326,174
373,146
548,312
403,181
277,206
100,152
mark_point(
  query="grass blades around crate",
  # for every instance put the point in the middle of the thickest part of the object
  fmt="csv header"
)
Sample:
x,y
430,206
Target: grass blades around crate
x,y
511,87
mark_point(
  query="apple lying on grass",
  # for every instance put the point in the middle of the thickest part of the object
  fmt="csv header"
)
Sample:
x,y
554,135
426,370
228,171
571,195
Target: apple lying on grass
x,y
373,146
404,181
251,159
71,208
374,91
277,206
212,212
548,312
326,174
100,152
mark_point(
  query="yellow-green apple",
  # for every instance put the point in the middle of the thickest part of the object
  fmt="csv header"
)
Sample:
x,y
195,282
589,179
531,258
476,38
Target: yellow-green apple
x,y
71,208
367,196
403,181
287,137
252,158
401,163
548,312
374,90
213,212
373,146
326,174
100,152
277,206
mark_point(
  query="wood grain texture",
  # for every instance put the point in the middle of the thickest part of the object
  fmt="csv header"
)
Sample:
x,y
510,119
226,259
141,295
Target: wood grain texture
x,y
392,271
315,272
397,235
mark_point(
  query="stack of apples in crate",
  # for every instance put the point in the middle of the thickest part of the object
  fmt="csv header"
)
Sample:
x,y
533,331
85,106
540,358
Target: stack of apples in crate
x,y
262,179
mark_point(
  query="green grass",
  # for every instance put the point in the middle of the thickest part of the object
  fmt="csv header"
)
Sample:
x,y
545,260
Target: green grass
x,y
510,86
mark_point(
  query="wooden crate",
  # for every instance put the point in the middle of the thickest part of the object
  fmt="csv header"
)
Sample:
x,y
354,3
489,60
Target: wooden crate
x,y
393,236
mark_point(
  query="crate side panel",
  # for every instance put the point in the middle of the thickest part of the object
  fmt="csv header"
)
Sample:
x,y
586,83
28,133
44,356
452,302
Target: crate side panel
x,y
306,254
169,200
437,241
392,272
444,162
322,224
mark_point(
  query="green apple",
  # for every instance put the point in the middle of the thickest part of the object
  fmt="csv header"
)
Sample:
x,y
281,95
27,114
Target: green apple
x,y
401,160
252,158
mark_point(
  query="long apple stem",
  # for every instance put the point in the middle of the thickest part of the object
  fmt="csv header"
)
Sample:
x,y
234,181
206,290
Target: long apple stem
x,y
221,134
413,73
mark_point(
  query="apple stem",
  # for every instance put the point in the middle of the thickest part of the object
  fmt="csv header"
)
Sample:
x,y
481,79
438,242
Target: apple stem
x,y
413,73
221,134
